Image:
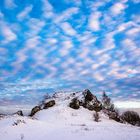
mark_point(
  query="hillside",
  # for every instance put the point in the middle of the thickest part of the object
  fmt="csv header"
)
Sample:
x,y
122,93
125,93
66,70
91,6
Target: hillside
x,y
62,122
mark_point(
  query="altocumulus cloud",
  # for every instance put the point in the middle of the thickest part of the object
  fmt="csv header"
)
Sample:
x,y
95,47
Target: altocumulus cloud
x,y
49,45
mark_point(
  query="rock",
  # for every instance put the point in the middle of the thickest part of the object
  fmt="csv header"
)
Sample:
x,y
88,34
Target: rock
x,y
75,103
91,102
93,105
35,110
49,104
88,95
2,116
20,113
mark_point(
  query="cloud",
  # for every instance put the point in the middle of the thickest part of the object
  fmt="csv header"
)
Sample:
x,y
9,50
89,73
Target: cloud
x,y
10,4
25,13
35,26
47,9
67,28
67,14
8,34
94,23
32,42
118,8
133,31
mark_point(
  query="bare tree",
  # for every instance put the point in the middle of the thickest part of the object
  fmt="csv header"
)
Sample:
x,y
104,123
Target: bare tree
x,y
96,117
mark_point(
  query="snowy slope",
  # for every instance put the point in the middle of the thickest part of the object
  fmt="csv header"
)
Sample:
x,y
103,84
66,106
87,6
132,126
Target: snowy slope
x,y
61,122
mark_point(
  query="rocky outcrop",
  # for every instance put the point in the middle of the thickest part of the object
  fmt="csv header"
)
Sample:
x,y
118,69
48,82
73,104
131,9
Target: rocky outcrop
x,y
20,113
75,103
88,101
88,95
49,104
91,102
35,110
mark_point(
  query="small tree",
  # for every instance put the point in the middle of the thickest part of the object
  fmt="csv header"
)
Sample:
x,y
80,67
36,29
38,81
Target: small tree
x,y
106,102
96,117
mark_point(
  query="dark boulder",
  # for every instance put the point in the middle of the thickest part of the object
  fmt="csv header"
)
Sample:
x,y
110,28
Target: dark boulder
x,y
75,103
35,110
91,102
88,95
93,105
2,116
20,113
49,104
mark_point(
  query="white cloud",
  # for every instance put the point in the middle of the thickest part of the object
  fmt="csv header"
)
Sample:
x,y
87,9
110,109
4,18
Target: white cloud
x,y
98,76
7,33
129,44
10,4
66,46
47,9
133,31
51,41
67,28
66,14
94,23
32,42
118,8
25,12
107,43
35,26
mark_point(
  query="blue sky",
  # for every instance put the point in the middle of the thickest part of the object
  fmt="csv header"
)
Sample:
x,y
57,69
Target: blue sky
x,y
50,45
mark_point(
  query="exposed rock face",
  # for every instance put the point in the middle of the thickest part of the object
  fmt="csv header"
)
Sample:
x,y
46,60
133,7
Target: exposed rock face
x,y
88,101
49,104
88,95
75,103
91,102
20,113
35,110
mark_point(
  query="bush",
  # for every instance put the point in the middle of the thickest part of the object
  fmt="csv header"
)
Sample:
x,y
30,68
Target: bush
x,y
131,117
114,116
96,117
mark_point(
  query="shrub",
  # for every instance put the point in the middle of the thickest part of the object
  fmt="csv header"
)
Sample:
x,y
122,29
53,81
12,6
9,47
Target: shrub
x,y
131,117
114,116
96,117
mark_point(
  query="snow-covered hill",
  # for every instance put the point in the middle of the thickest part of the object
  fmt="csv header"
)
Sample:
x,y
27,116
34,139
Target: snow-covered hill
x,y
62,122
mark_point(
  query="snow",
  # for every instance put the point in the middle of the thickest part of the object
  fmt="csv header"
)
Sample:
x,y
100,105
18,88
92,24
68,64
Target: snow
x,y
62,122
